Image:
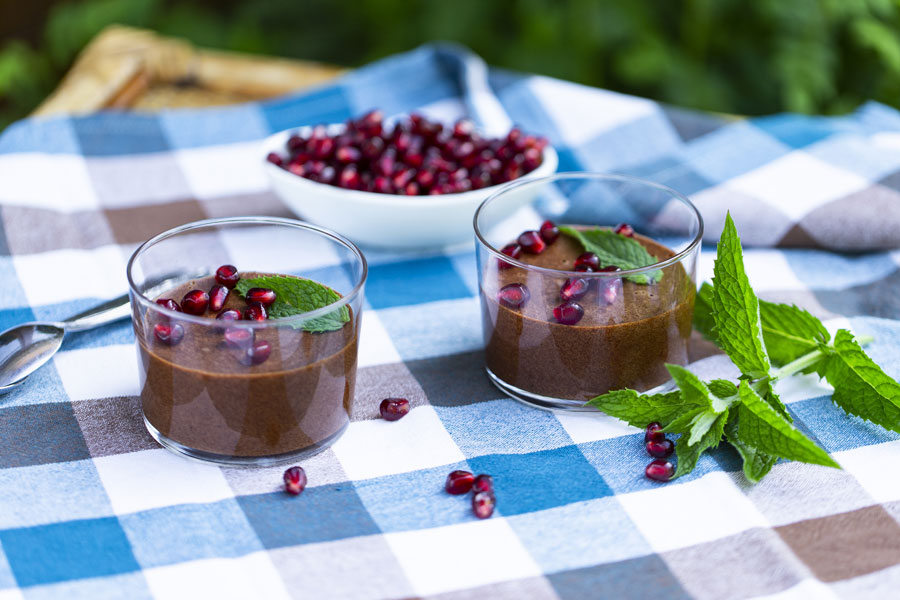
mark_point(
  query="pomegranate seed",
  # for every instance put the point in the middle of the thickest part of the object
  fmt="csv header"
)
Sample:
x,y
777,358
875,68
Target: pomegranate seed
x,y
295,480
255,312
347,154
549,231
625,229
274,159
393,409
327,175
382,185
257,353
659,470
609,290
371,122
239,337
297,169
483,504
481,179
402,177
349,178
512,171
169,303
661,449
169,334
195,302
295,143
372,148
532,159
588,259
483,483
229,315
574,289
654,433
385,164
264,296
532,243
513,295
463,128
512,251
323,148
568,313
227,275
411,189
217,296
425,179
459,482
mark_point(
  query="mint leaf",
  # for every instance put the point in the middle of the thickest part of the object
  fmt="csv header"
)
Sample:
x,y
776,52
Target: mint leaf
x,y
682,423
761,427
722,388
704,319
614,249
757,463
640,410
736,307
695,390
789,331
860,386
295,296
768,394
689,454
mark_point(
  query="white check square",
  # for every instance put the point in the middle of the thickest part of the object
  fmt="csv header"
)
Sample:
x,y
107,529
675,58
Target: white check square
x,y
251,576
156,478
462,556
64,275
867,465
228,170
679,515
53,181
798,183
590,427
375,345
376,448
101,372
581,113
137,179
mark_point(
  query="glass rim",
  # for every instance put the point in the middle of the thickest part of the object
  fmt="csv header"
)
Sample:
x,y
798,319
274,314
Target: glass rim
x,y
248,220
676,258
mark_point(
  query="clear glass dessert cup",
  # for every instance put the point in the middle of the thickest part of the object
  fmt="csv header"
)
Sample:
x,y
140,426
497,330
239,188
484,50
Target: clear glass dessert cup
x,y
628,323
205,392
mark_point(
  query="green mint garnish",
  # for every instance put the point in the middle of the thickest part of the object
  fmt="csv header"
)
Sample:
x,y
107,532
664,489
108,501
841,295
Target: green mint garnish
x,y
860,386
736,307
767,342
619,250
295,296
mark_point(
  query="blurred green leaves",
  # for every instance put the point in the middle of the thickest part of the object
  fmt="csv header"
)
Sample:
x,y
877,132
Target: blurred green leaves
x,y
813,56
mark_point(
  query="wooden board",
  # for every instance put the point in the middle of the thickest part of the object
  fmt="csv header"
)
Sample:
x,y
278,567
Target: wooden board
x,y
137,69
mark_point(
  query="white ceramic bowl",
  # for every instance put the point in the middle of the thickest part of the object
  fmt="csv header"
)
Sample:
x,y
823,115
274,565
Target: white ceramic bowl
x,y
382,220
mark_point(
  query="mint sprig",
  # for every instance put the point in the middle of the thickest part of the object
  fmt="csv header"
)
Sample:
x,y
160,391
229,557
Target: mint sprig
x,y
294,296
618,250
767,342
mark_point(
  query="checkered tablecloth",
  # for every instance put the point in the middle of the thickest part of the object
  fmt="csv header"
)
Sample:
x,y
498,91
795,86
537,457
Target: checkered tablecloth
x,y
91,507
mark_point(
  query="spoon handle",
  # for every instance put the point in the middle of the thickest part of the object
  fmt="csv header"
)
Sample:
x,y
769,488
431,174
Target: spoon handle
x,y
105,313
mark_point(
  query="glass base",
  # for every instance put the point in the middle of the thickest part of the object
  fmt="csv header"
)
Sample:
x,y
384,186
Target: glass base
x,y
241,461
554,404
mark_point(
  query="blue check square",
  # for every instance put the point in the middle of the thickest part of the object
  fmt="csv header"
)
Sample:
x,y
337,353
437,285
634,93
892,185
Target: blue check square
x,y
540,480
501,426
114,134
211,126
797,131
322,514
414,282
40,434
834,429
189,532
325,105
415,500
66,551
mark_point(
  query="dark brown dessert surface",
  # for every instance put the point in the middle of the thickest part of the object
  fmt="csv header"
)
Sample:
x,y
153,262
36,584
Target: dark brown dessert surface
x,y
615,345
199,394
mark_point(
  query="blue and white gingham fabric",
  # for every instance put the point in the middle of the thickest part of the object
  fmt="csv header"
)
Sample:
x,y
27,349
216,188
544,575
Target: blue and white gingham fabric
x,y
91,507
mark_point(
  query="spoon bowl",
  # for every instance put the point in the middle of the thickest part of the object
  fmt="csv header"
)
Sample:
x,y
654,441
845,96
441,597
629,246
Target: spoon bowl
x,y
25,348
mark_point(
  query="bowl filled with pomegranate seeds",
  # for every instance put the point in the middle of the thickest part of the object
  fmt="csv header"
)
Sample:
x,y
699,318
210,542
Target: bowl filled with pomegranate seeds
x,y
410,183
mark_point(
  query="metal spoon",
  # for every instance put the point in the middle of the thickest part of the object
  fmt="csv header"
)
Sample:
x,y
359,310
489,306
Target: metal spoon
x,y
27,347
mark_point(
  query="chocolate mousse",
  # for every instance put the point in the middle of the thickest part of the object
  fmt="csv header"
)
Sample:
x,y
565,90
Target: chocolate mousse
x,y
562,337
226,391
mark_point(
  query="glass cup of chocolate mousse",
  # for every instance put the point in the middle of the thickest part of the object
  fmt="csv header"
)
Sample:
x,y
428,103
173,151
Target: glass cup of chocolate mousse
x,y
587,284
247,349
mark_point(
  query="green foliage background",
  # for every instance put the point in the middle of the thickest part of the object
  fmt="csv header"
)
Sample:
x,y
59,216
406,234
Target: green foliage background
x,y
736,56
